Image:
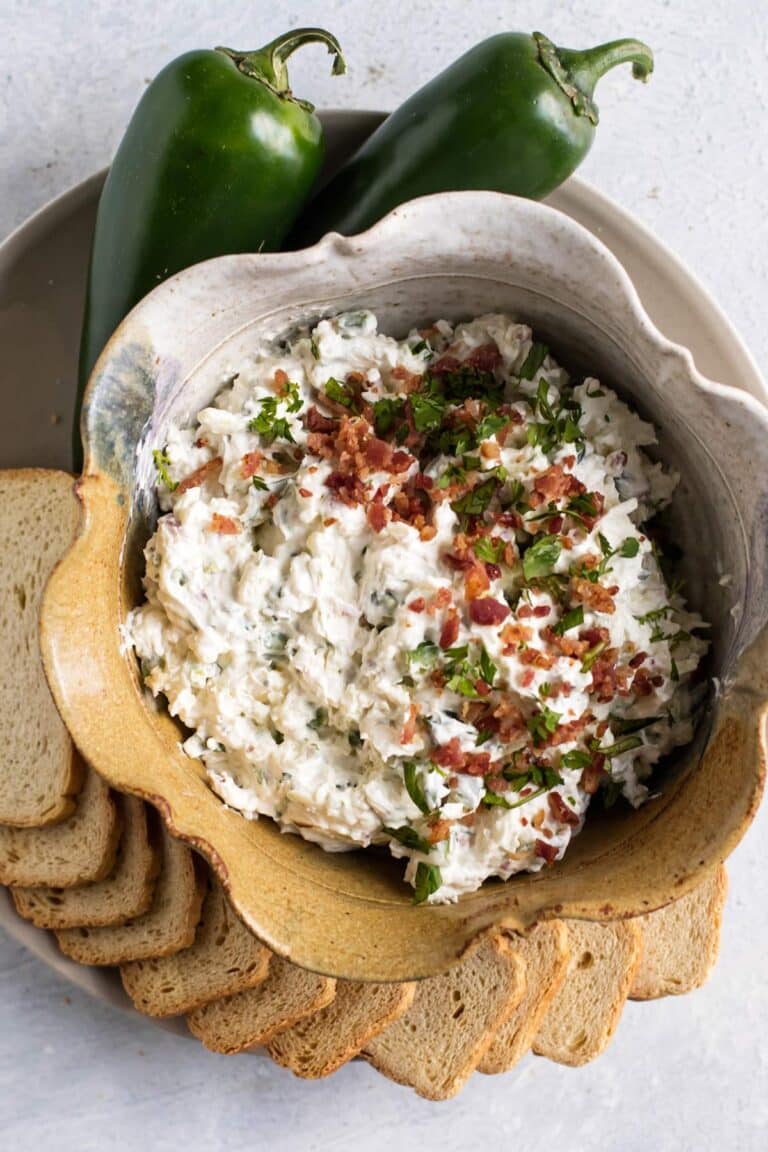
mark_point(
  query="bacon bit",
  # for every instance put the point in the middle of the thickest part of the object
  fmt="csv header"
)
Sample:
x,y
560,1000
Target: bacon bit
x,y
641,683
446,363
280,379
468,820
400,462
205,472
567,645
378,453
476,582
329,520
450,631
417,605
562,811
422,482
564,733
541,610
514,634
536,659
459,563
594,596
598,501
527,677
409,728
486,358
593,775
476,763
316,422
428,532
312,469
224,525
545,851
437,678
249,465
482,688
657,681
554,484
566,543
538,819
604,677
638,659
554,525
498,784
347,488
524,612
569,461
450,755
440,830
305,492
509,554
510,520
201,442
442,598
493,571
487,611
490,450
411,381
378,516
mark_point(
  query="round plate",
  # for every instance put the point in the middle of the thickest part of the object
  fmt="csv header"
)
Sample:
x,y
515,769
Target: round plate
x,y
43,267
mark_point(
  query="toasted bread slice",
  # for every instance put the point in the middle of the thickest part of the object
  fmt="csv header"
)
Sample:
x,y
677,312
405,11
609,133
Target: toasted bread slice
x,y
584,1014
251,1019
41,775
166,927
78,850
452,1021
681,941
123,895
321,1043
225,958
545,952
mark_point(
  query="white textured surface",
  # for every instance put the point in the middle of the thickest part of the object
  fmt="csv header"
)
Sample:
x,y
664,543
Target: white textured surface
x,y
689,155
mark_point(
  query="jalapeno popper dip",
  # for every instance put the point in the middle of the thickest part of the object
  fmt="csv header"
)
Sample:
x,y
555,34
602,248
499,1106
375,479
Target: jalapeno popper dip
x,y
401,594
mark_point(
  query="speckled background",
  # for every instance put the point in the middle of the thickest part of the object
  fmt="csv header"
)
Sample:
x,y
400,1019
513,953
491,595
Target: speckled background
x,y
689,155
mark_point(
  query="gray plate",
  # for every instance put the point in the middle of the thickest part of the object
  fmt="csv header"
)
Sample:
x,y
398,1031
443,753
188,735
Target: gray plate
x,y
42,280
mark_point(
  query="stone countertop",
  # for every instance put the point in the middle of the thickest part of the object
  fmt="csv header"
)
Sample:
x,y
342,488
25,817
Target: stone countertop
x,y
689,155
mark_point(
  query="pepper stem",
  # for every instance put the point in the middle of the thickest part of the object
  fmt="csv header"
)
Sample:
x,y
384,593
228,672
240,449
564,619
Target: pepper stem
x,y
268,64
577,72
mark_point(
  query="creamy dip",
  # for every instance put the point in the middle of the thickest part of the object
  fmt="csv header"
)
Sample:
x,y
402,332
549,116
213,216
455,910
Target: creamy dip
x,y
402,595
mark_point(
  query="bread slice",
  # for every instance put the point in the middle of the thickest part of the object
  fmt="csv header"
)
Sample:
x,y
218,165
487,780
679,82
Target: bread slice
x,y
40,776
225,958
124,894
251,1019
546,952
452,1021
78,850
681,941
321,1043
584,1014
166,927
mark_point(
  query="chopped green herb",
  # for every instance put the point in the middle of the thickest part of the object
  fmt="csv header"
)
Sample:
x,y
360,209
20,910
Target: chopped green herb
x,y
487,667
475,502
428,880
489,426
483,736
630,547
410,838
540,558
595,392
320,719
558,424
674,671
163,463
575,760
623,727
259,484
428,411
314,349
611,793
421,347
571,619
413,785
425,654
489,549
533,361
590,656
268,424
386,412
542,724
340,394
626,744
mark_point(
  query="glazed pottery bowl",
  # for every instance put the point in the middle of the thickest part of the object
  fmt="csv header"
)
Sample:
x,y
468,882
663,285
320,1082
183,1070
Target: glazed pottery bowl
x,y
454,256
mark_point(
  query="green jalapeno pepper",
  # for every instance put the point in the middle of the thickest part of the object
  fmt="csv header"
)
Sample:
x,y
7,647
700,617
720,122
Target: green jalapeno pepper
x,y
219,157
515,114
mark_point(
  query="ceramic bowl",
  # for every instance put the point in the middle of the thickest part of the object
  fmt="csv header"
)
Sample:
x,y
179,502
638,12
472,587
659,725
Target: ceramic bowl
x,y
455,256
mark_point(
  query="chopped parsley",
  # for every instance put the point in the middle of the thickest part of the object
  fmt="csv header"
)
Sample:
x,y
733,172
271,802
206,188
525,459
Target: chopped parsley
x,y
340,394
386,413
542,725
268,424
424,654
489,549
428,411
533,361
592,654
163,463
475,502
576,760
410,838
463,674
314,349
259,484
540,558
428,880
558,424
539,776
570,620
413,785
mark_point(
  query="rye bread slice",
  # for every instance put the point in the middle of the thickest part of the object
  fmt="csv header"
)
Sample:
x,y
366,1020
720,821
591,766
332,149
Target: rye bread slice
x,y
166,927
545,952
123,895
40,775
251,1019
225,958
437,1044
78,850
681,941
585,1013
321,1043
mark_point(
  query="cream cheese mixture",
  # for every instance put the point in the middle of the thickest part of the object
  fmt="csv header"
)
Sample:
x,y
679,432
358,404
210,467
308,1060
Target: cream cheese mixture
x,y
401,594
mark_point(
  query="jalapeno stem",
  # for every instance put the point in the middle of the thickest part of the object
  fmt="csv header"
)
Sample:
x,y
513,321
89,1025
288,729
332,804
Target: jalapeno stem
x,y
268,64
577,72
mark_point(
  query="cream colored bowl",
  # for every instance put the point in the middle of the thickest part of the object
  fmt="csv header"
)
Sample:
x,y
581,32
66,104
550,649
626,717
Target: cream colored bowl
x,y
454,255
